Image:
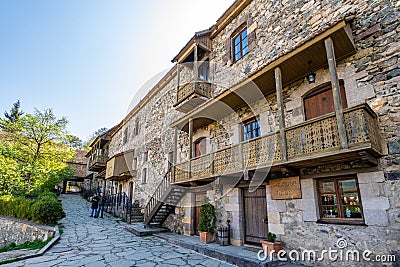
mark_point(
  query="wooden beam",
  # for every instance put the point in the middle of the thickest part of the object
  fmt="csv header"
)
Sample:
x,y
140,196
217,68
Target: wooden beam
x,y
177,80
195,67
337,100
281,114
190,147
175,152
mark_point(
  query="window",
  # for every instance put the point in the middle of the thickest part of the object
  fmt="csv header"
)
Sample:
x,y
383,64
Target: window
x,y
200,147
251,129
203,71
144,176
125,138
339,200
320,102
240,44
146,156
137,127
134,164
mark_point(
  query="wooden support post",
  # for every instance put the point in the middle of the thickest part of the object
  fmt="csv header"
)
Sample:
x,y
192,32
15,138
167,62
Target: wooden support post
x,y
337,101
281,115
195,67
190,146
175,152
178,77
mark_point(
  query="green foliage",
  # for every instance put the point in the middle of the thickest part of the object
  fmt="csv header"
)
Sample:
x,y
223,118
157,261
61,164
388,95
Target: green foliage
x,y
18,207
271,237
207,216
8,123
33,156
73,141
47,210
36,244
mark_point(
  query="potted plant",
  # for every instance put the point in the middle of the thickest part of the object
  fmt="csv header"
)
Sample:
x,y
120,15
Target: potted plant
x,y
271,244
207,221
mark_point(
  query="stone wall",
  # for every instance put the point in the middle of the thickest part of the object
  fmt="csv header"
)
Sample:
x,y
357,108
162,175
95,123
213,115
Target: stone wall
x,y
19,231
295,221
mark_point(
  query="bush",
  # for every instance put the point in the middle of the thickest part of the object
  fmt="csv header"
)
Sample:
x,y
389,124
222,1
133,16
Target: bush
x,y
18,207
47,210
207,217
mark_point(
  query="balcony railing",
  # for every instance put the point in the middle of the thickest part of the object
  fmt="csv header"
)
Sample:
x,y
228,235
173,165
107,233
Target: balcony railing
x,y
307,141
97,162
193,88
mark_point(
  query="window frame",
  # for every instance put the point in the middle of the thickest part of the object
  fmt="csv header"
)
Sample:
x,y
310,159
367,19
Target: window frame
x,y
144,176
341,219
238,34
247,122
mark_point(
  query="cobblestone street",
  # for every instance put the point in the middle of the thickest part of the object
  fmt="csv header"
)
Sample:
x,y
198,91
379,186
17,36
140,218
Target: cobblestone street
x,y
88,241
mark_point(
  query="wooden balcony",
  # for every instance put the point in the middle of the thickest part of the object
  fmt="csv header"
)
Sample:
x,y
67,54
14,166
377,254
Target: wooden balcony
x,y
192,94
97,162
119,167
309,144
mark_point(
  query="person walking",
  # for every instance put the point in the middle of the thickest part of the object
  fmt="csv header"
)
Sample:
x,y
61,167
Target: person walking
x,y
100,210
95,205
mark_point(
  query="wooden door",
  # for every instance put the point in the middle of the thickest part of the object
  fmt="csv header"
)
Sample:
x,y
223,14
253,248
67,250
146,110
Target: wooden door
x,y
131,191
198,198
255,215
200,147
320,102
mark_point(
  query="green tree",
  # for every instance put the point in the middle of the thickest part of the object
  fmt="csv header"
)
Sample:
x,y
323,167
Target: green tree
x,y
74,141
10,121
33,158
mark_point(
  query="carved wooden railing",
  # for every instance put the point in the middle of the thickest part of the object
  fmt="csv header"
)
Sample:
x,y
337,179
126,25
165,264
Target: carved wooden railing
x,y
307,140
96,159
261,151
198,87
159,192
362,127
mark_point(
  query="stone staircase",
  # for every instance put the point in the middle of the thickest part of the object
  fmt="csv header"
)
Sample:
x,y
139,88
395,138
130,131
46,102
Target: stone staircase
x,y
163,202
136,213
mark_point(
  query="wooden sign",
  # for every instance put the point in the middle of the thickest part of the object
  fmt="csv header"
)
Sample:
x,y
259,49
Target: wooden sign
x,y
285,188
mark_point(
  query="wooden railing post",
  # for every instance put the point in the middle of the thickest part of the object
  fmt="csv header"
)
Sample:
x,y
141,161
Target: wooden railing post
x,y
190,147
281,114
337,101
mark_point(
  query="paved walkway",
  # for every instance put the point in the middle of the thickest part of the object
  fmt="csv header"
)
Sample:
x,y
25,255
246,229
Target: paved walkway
x,y
99,242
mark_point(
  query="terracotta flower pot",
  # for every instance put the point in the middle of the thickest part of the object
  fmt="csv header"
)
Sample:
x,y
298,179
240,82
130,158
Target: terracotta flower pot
x,y
269,246
206,237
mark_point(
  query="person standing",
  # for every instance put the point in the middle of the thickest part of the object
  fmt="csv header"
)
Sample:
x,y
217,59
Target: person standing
x,y
100,209
95,205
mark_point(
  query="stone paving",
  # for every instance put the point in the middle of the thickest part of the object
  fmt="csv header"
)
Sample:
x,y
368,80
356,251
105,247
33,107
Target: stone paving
x,y
99,242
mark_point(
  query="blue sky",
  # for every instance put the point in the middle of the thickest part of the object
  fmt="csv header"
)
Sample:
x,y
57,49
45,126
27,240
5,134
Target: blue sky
x,y
85,59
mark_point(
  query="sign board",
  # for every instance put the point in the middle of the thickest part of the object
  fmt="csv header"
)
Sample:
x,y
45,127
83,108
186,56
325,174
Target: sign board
x,y
285,188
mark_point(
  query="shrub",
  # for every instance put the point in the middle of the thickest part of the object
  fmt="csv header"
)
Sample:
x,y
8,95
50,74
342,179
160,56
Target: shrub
x,y
207,217
47,210
271,237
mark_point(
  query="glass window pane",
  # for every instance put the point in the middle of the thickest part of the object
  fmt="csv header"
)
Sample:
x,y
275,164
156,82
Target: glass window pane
x,y
348,185
237,40
245,50
245,42
244,33
237,48
237,56
330,212
352,212
328,199
327,187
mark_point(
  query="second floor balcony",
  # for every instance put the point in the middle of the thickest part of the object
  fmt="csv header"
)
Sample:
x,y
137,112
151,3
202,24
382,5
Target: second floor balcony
x,y
192,94
98,161
309,144
120,167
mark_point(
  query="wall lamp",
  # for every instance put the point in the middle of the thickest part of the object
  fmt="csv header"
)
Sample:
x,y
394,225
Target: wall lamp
x,y
311,75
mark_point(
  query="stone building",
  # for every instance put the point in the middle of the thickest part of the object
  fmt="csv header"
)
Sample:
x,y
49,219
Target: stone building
x,y
286,115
